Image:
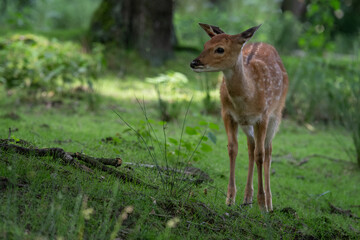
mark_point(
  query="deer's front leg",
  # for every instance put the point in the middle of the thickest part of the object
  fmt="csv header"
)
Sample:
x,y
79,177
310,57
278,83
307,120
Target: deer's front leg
x,y
260,134
249,189
231,128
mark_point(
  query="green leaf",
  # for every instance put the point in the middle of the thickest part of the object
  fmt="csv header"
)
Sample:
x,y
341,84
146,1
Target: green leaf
x,y
203,123
191,131
188,146
161,123
213,126
205,147
126,130
335,4
15,138
177,152
173,141
212,137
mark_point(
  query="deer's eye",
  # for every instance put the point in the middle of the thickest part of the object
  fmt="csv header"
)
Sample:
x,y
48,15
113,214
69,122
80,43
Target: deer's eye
x,y
220,50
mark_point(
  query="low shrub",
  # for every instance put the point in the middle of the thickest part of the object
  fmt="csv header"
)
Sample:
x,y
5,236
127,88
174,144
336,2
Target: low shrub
x,y
345,99
314,82
326,90
172,82
39,64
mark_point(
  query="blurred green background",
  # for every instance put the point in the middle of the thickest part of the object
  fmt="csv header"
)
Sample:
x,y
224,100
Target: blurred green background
x,y
50,45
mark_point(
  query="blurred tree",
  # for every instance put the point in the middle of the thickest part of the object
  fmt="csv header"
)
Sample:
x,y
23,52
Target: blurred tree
x,y
348,17
146,26
3,7
319,25
344,13
297,7
24,3
20,4
219,3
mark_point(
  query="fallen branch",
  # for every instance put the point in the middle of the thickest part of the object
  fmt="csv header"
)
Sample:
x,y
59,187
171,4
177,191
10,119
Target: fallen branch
x,y
304,160
355,206
56,153
18,141
69,158
116,162
42,152
121,175
338,210
326,157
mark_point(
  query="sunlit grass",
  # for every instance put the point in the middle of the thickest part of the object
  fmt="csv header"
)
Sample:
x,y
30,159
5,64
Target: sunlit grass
x,y
128,89
307,188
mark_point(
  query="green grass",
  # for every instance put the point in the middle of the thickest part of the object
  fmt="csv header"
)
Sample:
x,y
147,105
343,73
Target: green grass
x,y
46,199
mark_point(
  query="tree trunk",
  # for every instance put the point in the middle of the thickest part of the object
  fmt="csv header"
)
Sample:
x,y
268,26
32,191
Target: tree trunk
x,y
143,25
3,7
297,7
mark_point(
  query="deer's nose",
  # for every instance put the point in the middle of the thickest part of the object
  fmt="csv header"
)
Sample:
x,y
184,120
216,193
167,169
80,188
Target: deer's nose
x,y
195,63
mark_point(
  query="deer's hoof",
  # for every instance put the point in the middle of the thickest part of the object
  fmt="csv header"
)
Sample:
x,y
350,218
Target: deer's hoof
x,y
230,201
261,202
248,201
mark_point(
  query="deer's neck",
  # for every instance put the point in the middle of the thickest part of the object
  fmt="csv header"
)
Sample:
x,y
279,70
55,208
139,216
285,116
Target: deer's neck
x,y
236,79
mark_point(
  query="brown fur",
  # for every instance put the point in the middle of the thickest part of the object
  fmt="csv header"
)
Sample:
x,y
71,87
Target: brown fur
x,y
252,95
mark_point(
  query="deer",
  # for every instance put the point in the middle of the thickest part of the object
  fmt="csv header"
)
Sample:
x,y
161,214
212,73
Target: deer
x,y
252,94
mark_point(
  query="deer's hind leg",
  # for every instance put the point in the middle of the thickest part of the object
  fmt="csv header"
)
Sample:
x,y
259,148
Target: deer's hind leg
x,y
271,130
260,130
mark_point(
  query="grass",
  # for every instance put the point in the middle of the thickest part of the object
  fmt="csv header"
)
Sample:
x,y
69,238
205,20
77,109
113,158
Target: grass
x,y
41,198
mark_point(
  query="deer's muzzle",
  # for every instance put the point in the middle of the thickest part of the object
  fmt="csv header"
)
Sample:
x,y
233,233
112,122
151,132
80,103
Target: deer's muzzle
x,y
196,64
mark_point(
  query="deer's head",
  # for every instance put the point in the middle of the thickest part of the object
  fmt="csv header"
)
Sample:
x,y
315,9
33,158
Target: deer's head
x,y
222,50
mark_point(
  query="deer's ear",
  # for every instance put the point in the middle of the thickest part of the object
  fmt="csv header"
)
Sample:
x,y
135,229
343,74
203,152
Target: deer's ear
x,y
246,35
211,30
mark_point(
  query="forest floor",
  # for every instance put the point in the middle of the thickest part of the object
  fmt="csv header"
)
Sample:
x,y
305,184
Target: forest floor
x,y
315,186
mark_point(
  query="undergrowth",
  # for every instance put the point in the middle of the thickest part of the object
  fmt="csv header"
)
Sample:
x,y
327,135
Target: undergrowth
x,y
42,197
